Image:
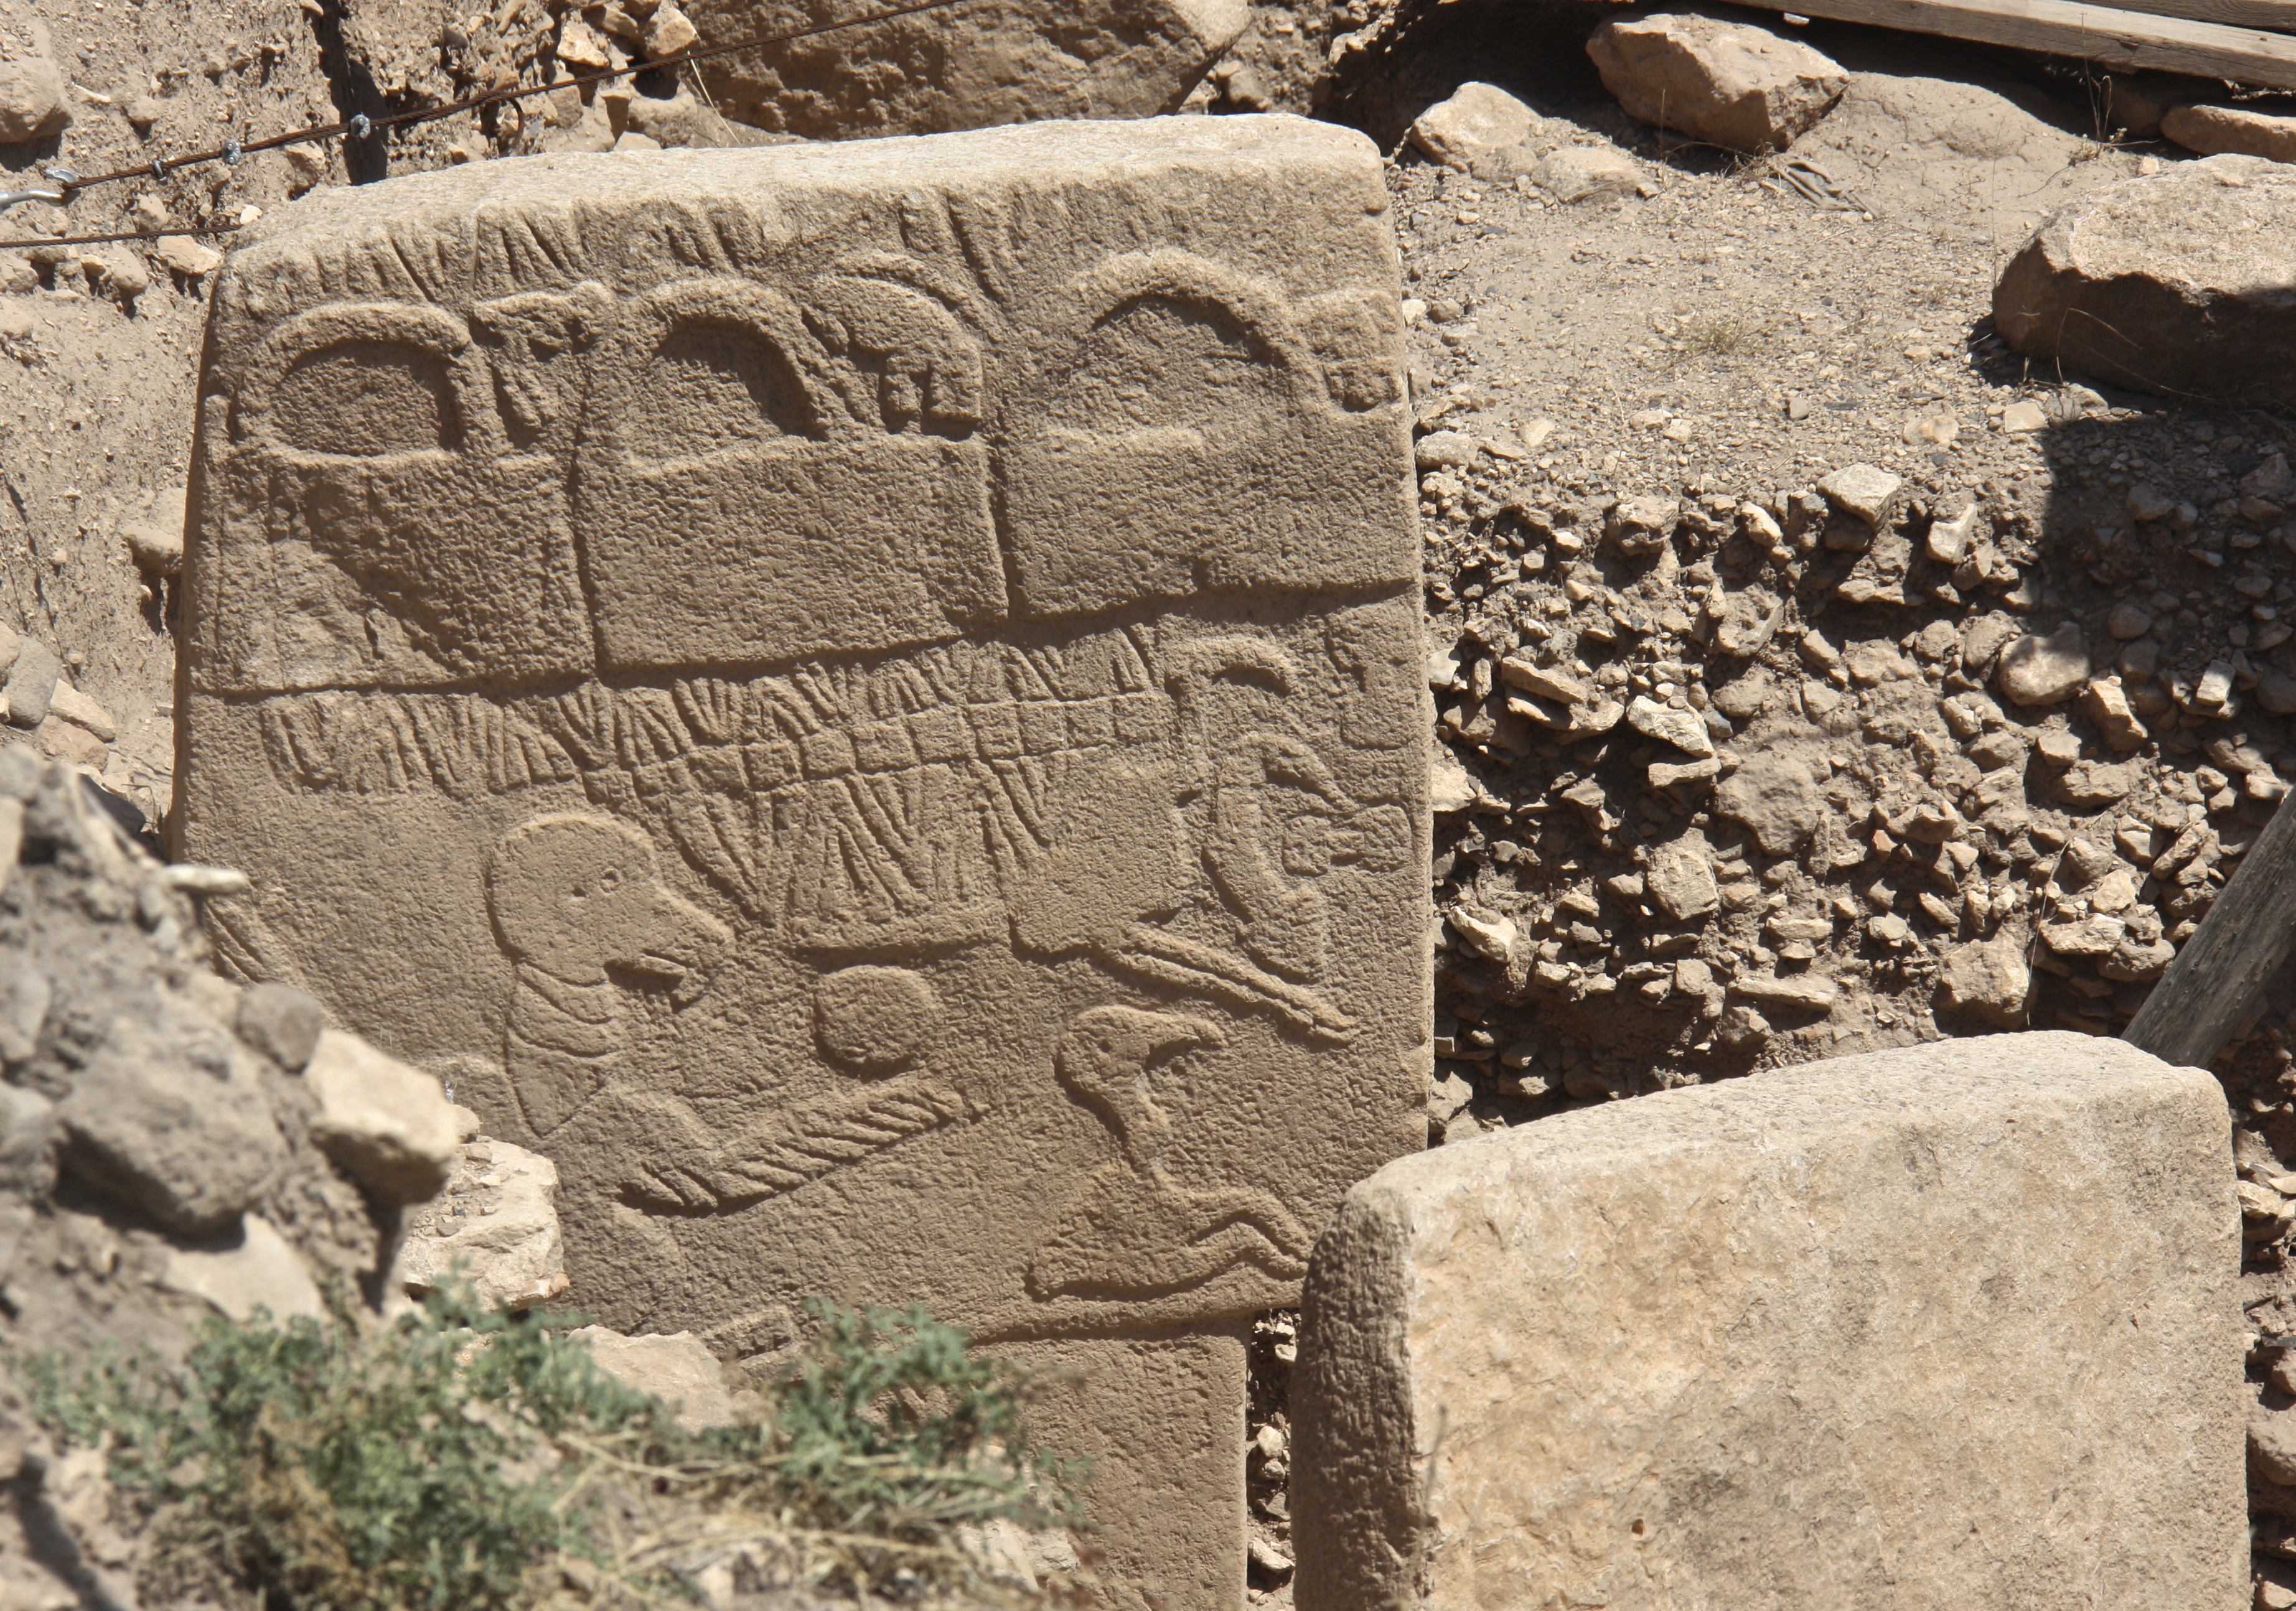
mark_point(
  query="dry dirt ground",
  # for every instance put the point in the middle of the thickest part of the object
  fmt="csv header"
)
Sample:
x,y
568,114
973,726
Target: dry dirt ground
x,y
1720,332
1904,845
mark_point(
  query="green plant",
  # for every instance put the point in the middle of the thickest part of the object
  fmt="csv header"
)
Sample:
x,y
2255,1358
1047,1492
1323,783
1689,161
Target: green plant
x,y
456,1457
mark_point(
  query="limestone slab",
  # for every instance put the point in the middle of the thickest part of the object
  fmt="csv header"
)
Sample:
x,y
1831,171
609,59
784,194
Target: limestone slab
x,y
865,701
1952,1326
2175,283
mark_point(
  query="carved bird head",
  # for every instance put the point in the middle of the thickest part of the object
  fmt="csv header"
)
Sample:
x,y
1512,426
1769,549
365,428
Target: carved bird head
x,y
1104,1057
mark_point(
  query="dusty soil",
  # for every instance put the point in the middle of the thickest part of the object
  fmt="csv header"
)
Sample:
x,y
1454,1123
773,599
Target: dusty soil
x,y
1720,341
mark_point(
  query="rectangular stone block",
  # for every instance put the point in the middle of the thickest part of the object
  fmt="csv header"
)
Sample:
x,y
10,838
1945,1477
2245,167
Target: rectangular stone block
x,y
1954,1326
864,700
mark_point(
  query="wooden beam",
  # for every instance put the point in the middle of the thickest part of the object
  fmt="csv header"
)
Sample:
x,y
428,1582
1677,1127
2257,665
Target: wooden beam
x,y
2094,33
2272,16
2219,976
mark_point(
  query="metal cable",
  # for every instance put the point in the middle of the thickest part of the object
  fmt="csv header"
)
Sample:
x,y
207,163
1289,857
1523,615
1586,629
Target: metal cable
x,y
360,126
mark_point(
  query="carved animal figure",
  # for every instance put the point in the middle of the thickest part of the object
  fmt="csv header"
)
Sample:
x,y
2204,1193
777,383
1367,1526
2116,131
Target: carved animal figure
x,y
1132,1228
576,902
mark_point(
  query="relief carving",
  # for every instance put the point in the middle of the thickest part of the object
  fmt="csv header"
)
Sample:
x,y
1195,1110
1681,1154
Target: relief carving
x,y
889,703
577,903
1132,1228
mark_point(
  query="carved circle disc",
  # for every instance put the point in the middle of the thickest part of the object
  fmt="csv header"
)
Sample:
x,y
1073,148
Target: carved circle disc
x,y
874,1020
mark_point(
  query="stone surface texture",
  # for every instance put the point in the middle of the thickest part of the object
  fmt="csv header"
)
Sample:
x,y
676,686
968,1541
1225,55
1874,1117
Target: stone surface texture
x,y
2174,282
494,1226
1948,1326
2215,130
1475,121
34,99
865,702
1730,83
971,67
678,1370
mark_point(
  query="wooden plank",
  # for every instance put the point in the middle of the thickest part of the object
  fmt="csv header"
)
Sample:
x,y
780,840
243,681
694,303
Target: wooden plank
x,y
2219,976
2094,33
2272,16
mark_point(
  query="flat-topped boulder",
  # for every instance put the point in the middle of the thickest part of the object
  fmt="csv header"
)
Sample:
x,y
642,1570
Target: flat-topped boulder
x,y
1956,1325
2175,283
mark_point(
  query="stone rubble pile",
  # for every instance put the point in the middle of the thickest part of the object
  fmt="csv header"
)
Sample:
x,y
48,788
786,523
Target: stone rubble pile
x,y
170,1144
1756,814
173,1146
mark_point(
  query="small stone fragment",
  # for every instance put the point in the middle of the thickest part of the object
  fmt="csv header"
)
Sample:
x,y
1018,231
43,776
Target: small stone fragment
x,y
2057,747
24,995
2127,621
282,1023
1685,730
1493,935
1575,172
2107,704
669,32
1447,450
1801,992
2135,961
2093,936
1865,492
1666,775
2023,419
2044,670
169,1113
155,542
263,1271
1742,1026
1890,930
183,255
1545,681
1951,534
1641,526
1680,879
389,1125
1774,797
31,683
495,1225
2213,130
2146,502
1477,121
580,48
1987,980
68,704
2272,1443
1748,624
2212,695
33,100
678,1370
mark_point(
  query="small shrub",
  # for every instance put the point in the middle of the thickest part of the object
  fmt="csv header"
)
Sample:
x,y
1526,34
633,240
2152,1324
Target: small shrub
x,y
482,1461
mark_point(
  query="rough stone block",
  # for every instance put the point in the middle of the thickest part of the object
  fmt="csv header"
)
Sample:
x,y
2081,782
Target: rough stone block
x,y
2213,130
864,701
2175,283
1730,83
1953,1326
1003,61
